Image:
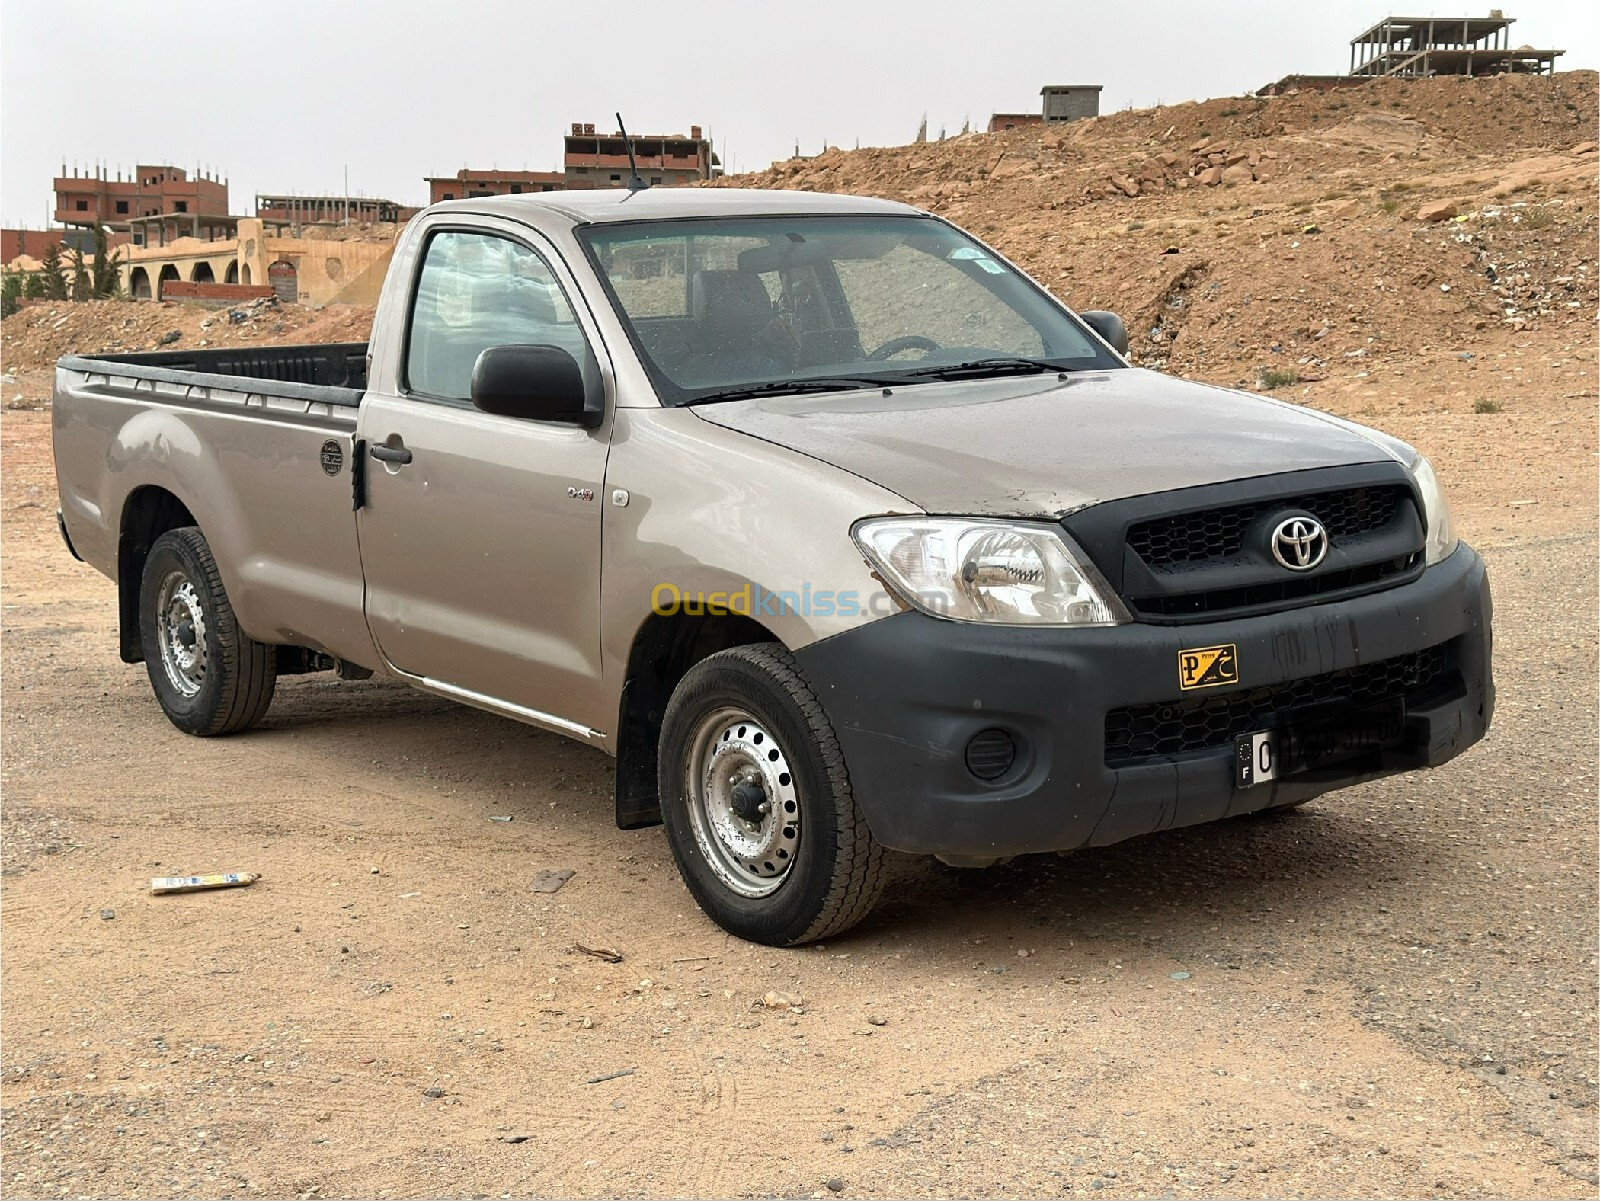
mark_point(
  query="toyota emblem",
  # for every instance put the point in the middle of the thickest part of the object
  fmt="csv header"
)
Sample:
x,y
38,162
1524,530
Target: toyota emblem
x,y
1299,543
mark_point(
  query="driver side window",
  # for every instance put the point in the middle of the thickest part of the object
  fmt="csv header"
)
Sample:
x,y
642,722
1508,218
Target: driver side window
x,y
932,298
476,291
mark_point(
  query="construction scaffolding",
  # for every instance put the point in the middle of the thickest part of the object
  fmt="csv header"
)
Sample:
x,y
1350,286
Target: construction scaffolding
x,y
1411,47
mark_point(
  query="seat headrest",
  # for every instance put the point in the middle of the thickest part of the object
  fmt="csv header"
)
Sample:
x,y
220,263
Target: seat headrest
x,y
729,299
511,298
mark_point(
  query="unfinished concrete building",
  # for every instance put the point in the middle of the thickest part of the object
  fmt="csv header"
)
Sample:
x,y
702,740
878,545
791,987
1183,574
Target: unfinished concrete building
x,y
294,211
1412,47
1069,101
596,160
191,204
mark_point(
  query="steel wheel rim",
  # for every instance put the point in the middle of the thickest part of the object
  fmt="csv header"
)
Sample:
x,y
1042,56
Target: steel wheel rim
x,y
751,850
181,630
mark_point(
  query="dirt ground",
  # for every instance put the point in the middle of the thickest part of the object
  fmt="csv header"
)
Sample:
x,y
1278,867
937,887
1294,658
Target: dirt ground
x,y
1390,992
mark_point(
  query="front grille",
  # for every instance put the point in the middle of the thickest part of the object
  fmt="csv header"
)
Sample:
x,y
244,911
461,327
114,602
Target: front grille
x,y
1205,723
1279,592
1219,533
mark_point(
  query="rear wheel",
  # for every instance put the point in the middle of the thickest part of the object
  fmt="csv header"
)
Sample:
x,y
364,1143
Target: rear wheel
x,y
208,675
757,802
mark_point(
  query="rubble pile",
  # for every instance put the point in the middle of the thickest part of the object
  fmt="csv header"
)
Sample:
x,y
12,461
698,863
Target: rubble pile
x,y
356,231
1207,163
35,337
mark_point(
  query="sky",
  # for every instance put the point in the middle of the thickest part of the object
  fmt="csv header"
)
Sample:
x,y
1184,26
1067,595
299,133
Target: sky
x,y
288,96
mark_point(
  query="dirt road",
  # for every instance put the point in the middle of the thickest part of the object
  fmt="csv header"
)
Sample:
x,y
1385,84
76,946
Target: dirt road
x,y
1390,992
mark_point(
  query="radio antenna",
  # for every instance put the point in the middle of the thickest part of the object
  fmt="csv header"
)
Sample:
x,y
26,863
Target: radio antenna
x,y
635,184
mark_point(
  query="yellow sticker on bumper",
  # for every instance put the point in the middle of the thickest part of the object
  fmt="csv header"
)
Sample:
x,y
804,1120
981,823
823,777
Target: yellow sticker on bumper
x,y
1208,666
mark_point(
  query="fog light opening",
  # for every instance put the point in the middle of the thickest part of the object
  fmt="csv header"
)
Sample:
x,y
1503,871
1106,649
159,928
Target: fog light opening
x,y
990,754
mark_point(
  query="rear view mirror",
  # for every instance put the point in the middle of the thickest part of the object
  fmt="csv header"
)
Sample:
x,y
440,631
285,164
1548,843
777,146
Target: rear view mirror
x,y
535,383
1109,326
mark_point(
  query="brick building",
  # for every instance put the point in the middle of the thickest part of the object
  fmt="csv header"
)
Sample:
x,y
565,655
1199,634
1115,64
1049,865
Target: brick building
x,y
594,160
999,121
491,183
85,201
32,243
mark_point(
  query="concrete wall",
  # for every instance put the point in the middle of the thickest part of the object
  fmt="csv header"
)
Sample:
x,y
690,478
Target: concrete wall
x,y
192,259
322,270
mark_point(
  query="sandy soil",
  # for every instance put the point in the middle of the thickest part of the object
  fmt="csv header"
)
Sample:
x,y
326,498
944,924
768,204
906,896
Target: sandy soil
x,y
1390,992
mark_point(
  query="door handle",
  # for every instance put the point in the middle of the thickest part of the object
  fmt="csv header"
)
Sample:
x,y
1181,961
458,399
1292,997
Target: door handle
x,y
385,453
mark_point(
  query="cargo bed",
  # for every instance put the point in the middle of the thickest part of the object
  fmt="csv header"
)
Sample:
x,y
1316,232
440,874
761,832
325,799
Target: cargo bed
x,y
332,373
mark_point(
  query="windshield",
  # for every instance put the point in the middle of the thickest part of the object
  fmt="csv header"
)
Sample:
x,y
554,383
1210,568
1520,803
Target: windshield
x,y
721,309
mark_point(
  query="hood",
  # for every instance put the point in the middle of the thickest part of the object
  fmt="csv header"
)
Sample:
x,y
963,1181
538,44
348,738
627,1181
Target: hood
x,y
1040,446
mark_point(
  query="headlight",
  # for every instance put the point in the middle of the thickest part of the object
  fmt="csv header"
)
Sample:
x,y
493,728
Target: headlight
x,y
997,571
1441,540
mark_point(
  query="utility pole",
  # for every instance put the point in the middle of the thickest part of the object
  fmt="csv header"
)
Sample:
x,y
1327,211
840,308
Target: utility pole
x,y
347,194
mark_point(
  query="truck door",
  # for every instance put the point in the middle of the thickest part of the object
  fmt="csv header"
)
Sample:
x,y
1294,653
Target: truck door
x,y
480,534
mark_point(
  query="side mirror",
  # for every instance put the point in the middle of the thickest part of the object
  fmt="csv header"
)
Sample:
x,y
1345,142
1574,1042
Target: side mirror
x,y
1109,326
535,383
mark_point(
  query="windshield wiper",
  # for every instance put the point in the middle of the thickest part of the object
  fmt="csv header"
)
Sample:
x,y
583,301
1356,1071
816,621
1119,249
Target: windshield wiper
x,y
788,387
977,368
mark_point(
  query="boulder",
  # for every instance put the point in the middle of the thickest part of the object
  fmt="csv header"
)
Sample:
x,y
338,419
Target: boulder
x,y
1211,176
1238,173
1437,210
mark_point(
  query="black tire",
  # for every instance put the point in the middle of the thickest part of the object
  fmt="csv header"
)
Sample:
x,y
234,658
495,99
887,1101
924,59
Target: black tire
x,y
228,685
836,871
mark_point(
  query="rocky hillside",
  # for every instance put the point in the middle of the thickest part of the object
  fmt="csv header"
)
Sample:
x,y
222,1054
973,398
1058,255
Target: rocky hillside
x,y
1304,238
1300,235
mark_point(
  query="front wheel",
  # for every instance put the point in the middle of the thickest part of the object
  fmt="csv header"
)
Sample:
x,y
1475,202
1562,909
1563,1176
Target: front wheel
x,y
757,802
209,676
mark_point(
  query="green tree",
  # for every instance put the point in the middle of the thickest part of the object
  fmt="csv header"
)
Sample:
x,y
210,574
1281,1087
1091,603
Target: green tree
x,y
105,283
80,274
54,272
33,286
10,292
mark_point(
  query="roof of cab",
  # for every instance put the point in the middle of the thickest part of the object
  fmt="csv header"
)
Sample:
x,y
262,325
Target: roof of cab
x,y
582,207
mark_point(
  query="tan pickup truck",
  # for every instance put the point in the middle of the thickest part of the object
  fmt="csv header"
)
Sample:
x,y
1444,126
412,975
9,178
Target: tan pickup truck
x,y
834,528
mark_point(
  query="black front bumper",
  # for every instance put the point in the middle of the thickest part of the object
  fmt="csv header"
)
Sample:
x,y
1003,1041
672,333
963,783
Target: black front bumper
x,y
907,694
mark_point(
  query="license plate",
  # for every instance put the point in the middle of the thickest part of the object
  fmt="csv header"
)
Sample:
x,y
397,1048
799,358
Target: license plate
x,y
1268,755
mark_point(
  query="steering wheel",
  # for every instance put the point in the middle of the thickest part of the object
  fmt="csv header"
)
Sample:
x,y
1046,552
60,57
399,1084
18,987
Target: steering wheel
x,y
906,342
